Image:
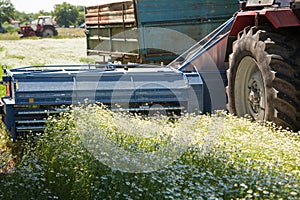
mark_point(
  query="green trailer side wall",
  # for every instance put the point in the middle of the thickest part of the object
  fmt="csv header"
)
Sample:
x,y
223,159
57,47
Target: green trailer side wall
x,y
163,29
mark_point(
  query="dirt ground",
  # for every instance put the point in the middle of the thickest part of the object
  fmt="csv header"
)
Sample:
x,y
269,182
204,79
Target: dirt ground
x,y
24,52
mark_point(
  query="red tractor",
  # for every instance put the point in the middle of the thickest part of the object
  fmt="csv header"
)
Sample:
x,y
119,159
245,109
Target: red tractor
x,y
44,26
261,57
264,62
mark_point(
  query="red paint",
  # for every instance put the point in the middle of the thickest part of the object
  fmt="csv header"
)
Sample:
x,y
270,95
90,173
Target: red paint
x,y
242,20
8,90
279,18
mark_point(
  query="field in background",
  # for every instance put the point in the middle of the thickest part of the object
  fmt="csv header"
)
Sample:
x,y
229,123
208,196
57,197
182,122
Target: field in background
x,y
24,52
70,32
62,33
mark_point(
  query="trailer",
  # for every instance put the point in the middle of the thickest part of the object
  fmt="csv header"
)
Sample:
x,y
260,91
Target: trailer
x,y
151,31
249,66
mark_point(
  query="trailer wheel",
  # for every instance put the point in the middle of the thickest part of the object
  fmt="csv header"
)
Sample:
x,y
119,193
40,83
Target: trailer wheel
x,y
48,32
262,77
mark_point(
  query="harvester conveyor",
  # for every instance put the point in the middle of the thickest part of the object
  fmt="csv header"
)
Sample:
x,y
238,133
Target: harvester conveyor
x,y
35,92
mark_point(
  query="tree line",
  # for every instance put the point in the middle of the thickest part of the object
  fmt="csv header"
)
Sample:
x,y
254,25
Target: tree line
x,y
66,14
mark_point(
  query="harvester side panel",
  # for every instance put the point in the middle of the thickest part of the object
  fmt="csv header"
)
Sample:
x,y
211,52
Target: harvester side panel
x,y
41,91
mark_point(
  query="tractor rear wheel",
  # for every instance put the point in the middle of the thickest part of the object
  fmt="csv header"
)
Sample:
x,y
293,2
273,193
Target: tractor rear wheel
x,y
48,32
263,76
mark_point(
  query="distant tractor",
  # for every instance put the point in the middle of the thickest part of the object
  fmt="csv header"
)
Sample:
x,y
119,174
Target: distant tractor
x,y
44,26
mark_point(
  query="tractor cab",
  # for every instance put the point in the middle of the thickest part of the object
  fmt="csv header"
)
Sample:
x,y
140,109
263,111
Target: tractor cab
x,y
46,20
43,21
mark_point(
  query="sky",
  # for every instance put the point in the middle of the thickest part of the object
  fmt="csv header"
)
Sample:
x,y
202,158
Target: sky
x,y
34,6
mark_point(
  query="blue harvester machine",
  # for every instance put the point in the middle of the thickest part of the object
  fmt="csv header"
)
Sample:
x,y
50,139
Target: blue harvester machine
x,y
32,93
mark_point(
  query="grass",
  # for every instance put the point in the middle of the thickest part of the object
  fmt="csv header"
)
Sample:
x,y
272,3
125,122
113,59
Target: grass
x,y
62,33
9,36
87,60
42,51
2,87
16,56
200,157
70,32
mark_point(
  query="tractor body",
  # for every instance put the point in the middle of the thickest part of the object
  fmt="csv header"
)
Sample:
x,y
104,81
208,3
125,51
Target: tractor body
x,y
44,26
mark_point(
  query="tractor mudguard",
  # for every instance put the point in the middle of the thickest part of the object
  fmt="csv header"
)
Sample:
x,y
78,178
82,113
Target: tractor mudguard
x,y
279,18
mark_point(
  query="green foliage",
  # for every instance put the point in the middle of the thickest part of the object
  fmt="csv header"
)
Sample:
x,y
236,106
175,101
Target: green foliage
x,y
16,56
10,29
2,93
29,17
66,14
69,33
62,33
37,64
10,36
87,60
81,9
225,158
81,18
6,10
22,17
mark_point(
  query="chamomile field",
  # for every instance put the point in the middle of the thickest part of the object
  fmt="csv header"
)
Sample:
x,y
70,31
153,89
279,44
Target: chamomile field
x,y
92,153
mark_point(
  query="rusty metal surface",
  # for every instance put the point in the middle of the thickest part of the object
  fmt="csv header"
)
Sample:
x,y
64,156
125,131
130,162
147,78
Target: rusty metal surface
x,y
114,13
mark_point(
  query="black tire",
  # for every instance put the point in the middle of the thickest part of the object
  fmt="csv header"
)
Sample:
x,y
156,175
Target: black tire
x,y
55,33
263,76
48,32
